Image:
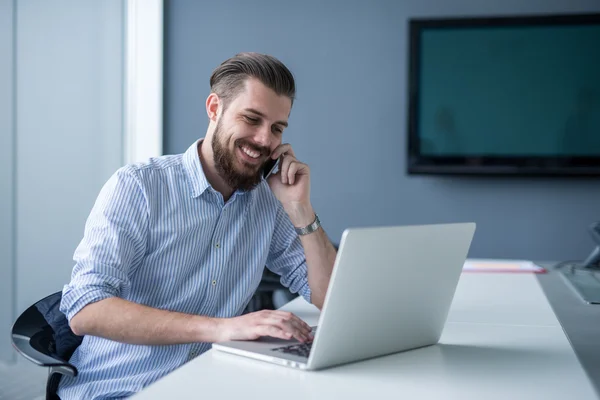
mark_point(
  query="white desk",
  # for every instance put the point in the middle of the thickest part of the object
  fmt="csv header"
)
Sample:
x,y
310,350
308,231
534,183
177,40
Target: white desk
x,y
502,341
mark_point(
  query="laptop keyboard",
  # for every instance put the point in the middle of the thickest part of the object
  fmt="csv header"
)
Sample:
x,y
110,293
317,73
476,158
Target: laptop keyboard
x,y
297,349
301,349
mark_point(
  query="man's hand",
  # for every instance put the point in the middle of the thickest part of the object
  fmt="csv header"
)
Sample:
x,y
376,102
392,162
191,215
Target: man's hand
x,y
291,186
278,324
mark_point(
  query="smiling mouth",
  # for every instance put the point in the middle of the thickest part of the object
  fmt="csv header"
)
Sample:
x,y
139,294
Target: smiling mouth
x,y
250,157
249,152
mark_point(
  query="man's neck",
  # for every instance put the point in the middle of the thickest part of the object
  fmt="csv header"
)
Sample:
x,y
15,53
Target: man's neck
x,y
207,160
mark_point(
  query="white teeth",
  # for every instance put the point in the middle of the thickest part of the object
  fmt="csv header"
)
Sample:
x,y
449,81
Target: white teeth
x,y
250,152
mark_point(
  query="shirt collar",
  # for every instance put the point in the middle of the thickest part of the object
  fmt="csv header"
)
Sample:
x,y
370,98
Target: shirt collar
x,y
193,169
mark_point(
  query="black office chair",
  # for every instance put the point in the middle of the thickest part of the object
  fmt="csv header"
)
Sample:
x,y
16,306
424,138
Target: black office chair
x,y
43,336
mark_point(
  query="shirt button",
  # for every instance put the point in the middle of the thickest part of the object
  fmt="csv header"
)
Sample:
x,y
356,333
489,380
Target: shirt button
x,y
214,282
218,245
193,353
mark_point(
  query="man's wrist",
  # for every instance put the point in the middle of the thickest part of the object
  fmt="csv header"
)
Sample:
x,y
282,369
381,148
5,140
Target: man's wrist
x,y
211,330
301,215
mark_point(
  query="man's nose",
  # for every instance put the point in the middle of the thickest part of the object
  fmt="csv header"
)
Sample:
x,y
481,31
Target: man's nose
x,y
262,136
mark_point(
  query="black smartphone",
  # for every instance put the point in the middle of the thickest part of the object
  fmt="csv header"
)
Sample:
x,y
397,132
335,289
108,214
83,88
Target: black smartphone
x,y
270,167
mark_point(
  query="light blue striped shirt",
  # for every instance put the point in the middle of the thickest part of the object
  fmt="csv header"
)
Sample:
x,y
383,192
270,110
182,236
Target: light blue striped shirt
x,y
161,236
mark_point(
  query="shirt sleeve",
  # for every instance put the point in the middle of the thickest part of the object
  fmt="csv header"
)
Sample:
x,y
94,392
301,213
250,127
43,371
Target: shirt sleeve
x,y
113,244
286,256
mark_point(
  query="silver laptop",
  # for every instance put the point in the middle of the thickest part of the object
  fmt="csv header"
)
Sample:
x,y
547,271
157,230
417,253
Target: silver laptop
x,y
390,291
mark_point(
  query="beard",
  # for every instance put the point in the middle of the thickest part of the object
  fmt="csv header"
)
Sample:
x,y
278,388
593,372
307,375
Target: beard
x,y
245,179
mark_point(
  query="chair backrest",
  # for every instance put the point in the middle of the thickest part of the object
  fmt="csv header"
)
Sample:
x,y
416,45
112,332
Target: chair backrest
x,y
42,335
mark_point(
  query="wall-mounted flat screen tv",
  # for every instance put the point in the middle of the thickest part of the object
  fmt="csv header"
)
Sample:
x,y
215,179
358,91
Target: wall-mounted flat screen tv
x,y
504,95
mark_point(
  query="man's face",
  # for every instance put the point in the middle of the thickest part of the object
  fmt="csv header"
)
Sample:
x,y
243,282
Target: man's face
x,y
247,132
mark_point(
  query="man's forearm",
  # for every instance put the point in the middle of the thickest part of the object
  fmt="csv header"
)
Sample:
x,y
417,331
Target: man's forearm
x,y
127,322
320,257
320,253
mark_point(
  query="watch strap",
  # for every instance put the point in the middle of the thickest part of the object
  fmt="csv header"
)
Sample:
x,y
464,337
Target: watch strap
x,y
309,228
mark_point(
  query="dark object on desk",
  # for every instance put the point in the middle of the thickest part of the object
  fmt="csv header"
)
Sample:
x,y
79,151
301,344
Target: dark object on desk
x,y
580,323
43,336
593,260
584,277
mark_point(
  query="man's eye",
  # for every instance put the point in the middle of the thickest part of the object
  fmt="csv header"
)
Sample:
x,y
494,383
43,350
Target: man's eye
x,y
252,120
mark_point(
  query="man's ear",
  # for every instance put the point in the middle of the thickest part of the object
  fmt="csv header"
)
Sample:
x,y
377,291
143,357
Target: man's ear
x,y
212,106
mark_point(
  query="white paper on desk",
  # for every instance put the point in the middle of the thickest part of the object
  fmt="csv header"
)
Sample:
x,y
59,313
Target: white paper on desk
x,y
494,265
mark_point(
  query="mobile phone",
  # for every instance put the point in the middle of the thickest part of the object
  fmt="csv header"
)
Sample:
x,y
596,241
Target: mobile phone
x,y
270,167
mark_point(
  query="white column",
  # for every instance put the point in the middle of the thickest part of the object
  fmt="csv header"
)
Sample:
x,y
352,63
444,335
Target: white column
x,y
144,80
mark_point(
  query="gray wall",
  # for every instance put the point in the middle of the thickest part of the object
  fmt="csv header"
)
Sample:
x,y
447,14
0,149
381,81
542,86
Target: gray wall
x,y
348,124
69,137
6,177
68,76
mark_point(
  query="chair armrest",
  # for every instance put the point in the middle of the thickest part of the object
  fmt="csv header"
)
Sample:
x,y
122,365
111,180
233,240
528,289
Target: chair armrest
x,y
23,346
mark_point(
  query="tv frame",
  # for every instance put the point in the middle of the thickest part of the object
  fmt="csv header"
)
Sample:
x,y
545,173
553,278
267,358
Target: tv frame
x,y
418,164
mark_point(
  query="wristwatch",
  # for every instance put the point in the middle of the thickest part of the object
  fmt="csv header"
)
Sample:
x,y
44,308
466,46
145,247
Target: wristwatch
x,y
310,228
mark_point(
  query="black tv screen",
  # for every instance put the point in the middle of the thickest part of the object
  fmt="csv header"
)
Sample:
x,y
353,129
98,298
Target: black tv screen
x,y
505,95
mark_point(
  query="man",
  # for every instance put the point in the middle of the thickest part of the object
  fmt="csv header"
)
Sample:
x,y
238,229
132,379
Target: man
x,y
174,248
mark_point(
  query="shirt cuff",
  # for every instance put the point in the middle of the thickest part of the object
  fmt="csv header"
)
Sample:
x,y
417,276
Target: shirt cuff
x,y
74,299
306,293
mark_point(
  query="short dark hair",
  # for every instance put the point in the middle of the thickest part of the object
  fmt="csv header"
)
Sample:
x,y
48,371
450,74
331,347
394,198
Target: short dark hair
x,y
228,79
